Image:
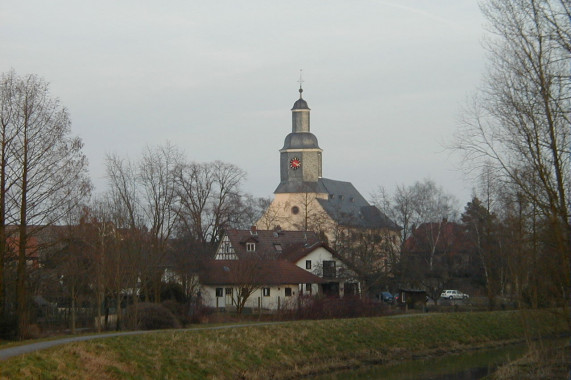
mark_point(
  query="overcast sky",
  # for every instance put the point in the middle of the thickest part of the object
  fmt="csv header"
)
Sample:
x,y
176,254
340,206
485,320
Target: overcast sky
x,y
385,80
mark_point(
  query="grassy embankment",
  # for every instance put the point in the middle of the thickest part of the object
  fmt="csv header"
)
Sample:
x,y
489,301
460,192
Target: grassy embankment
x,y
281,351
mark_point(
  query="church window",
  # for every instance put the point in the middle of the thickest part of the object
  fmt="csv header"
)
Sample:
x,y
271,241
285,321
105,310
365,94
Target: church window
x,y
251,247
295,210
307,264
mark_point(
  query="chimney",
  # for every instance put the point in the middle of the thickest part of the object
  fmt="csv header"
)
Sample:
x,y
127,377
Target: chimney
x,y
253,231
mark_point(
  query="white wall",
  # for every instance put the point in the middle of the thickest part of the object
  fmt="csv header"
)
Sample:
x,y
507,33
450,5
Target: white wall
x,y
317,257
276,298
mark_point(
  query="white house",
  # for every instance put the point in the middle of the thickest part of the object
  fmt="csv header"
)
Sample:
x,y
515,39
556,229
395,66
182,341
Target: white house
x,y
273,268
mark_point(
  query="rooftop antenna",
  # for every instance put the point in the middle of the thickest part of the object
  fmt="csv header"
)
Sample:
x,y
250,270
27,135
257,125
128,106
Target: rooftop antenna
x,y
300,81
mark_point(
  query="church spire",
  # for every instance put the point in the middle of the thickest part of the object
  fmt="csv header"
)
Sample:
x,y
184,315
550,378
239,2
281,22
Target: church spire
x,y
300,112
300,81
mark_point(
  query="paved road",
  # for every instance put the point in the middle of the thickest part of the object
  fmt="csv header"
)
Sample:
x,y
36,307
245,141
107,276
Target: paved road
x,y
10,352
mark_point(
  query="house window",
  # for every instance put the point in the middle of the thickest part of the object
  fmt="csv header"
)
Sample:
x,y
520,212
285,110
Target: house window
x,y
329,269
288,292
295,210
266,292
351,289
251,247
308,288
228,291
219,292
307,264
226,247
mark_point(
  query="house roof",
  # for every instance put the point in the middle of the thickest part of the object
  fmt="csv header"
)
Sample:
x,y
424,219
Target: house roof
x,y
270,243
450,238
297,253
258,272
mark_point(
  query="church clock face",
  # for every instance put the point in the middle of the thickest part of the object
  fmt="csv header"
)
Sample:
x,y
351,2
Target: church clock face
x,y
295,163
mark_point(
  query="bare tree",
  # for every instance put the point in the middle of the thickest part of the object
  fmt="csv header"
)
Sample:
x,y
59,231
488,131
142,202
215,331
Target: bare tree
x,y
270,216
123,191
519,121
8,133
159,204
226,203
48,168
210,197
482,231
245,275
422,202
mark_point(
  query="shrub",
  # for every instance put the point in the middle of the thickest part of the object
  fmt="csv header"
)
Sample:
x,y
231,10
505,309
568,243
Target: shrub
x,y
173,291
8,327
333,307
150,316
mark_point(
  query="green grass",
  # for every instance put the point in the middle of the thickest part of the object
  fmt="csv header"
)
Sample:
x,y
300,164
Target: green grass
x,y
287,350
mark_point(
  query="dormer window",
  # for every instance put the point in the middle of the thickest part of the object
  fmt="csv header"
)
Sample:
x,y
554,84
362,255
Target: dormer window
x,y
251,247
278,247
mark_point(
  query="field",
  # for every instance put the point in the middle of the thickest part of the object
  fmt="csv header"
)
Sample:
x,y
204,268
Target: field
x,y
284,351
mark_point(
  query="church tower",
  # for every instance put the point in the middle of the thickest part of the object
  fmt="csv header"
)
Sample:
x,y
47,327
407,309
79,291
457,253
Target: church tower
x,y
300,157
305,201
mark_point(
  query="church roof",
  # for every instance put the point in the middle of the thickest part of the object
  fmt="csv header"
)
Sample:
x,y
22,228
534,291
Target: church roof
x,y
344,203
300,104
301,140
348,207
300,187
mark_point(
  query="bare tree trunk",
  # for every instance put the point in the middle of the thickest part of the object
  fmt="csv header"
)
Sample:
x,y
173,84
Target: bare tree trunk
x,y
73,307
21,291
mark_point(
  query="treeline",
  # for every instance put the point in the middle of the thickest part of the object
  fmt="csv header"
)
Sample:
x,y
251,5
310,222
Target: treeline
x,y
514,137
59,246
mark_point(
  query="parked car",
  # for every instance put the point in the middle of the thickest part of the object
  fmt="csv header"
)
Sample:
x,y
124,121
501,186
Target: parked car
x,y
387,297
454,295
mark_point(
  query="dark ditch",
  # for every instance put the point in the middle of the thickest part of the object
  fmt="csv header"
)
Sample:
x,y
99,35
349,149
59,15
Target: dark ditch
x,y
464,366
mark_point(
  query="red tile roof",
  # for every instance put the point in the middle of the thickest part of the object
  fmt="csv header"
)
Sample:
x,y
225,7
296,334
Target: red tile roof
x,y
259,272
268,240
450,237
